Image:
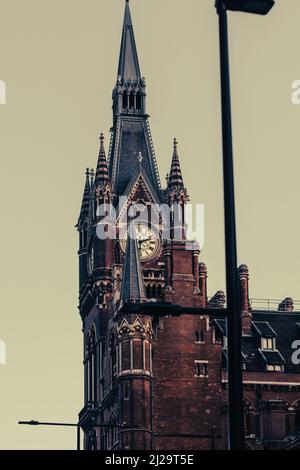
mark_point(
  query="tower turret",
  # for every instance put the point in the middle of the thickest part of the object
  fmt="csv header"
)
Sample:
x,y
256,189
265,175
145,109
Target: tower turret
x,y
83,228
129,93
102,181
177,197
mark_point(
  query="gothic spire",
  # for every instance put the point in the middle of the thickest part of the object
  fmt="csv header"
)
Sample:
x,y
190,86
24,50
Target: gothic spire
x,y
175,177
131,130
133,288
102,175
86,197
129,69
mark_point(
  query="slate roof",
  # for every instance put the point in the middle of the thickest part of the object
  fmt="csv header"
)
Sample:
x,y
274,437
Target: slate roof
x,y
264,329
133,288
283,326
272,357
84,211
129,68
175,177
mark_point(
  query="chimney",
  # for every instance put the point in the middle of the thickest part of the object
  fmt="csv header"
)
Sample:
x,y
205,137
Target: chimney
x,y
218,300
203,283
243,276
287,305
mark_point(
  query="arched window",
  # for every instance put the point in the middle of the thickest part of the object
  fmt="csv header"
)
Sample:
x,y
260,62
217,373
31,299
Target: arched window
x,y
138,101
88,367
148,291
199,336
91,365
94,440
249,419
296,407
125,100
94,365
91,440
113,358
154,291
160,291
131,100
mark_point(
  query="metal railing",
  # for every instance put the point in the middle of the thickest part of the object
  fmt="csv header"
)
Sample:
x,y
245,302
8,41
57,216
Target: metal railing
x,y
271,304
257,304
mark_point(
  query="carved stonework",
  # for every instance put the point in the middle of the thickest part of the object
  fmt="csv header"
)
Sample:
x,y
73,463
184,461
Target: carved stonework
x,y
137,327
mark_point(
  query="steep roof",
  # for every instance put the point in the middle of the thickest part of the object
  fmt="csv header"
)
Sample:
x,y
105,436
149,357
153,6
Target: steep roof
x,y
282,326
129,68
133,288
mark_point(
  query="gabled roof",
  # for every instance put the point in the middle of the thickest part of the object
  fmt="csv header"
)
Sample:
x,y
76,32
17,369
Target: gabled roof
x,y
222,326
264,329
138,177
272,357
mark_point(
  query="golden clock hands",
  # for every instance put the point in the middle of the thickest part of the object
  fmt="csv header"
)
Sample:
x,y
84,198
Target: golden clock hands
x,y
145,240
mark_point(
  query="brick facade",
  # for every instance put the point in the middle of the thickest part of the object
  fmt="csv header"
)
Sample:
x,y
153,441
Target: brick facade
x,y
158,380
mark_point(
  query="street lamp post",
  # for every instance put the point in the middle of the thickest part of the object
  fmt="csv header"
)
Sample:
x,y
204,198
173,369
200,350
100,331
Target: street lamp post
x,y
235,380
73,425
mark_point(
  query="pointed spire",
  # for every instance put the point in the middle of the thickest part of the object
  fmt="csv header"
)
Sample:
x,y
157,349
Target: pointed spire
x,y
86,196
102,175
127,16
129,68
133,288
175,177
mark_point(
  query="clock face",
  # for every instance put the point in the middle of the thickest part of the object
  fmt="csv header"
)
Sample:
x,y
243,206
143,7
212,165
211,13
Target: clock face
x,y
147,240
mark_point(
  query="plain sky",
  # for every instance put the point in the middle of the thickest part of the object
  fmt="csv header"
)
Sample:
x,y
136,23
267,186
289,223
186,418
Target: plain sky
x,y
58,59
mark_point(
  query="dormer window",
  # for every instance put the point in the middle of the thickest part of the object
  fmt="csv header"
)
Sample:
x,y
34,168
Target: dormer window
x,y
268,344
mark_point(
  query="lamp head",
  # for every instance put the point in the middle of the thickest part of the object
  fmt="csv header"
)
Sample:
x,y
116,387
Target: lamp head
x,y
259,7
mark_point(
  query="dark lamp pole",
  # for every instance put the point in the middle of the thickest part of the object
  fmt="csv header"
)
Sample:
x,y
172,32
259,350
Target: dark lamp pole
x,y
73,425
234,326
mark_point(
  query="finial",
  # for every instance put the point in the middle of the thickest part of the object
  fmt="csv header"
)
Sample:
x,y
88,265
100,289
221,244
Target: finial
x,y
101,137
140,158
167,177
87,173
175,142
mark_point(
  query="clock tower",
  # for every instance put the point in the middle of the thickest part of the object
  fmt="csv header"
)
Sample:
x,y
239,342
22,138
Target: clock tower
x,y
139,369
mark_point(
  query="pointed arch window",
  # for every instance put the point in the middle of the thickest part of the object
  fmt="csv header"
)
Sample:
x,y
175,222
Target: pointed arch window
x,y
113,358
138,101
148,291
297,417
160,291
125,100
131,100
91,365
199,336
154,291
250,422
91,440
